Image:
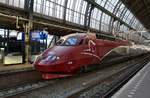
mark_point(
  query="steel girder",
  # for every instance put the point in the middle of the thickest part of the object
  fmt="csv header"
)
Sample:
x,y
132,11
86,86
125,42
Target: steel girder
x,y
88,12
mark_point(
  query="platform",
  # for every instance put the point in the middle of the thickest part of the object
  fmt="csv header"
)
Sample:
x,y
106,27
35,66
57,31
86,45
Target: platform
x,y
15,68
137,87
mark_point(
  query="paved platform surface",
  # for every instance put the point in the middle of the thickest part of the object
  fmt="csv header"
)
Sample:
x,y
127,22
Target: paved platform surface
x,y
137,87
15,68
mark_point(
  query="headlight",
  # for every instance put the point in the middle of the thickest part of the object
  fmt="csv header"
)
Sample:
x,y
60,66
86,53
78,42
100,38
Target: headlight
x,y
52,58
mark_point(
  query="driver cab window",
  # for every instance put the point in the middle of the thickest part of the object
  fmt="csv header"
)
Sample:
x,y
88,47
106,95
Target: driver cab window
x,y
71,41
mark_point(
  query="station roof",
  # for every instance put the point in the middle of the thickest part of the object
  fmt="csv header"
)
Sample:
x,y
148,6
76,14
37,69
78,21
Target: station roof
x,y
98,15
141,9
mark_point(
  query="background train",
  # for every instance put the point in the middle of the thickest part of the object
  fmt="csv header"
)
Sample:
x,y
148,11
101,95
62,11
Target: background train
x,y
76,52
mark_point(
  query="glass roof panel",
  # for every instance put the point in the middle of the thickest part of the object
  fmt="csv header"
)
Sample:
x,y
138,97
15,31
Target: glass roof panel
x,y
95,18
121,9
76,11
101,2
52,8
105,22
111,4
15,3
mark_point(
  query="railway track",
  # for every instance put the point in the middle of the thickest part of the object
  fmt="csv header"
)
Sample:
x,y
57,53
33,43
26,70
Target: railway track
x,y
107,87
24,88
123,81
11,79
54,89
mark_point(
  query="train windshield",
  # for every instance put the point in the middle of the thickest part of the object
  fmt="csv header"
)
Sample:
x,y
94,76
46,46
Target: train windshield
x,y
71,41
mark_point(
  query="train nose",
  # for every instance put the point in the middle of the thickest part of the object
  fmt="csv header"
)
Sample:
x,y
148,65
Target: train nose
x,y
44,66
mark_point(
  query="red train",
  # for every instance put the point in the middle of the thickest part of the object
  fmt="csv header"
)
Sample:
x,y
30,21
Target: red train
x,y
73,53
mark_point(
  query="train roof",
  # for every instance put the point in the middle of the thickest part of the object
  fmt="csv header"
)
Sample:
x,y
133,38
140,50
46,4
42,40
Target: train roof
x,y
82,35
93,36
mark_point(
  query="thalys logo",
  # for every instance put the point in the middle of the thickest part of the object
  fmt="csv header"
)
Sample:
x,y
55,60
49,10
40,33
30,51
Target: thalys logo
x,y
92,46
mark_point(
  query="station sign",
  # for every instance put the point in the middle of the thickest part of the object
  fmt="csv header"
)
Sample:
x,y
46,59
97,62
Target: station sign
x,y
38,35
